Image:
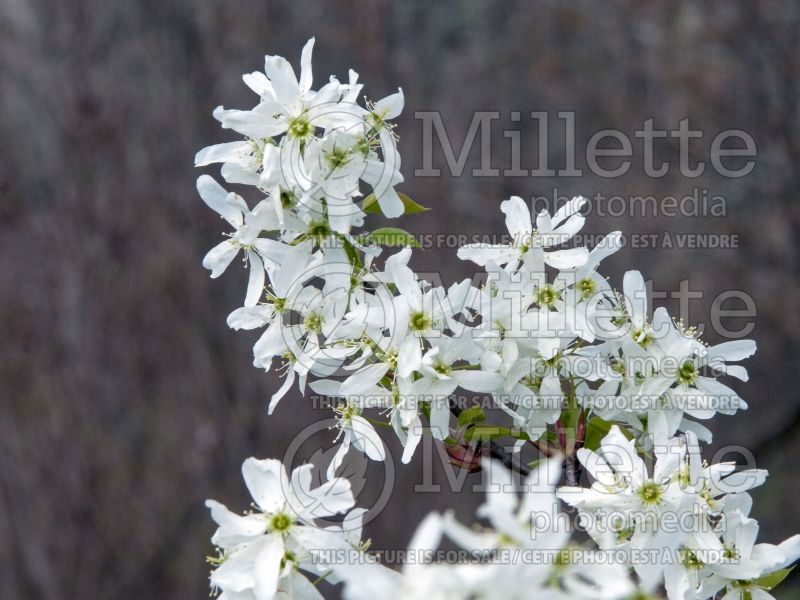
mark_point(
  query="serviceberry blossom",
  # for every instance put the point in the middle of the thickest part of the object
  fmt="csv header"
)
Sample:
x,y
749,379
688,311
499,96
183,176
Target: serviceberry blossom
x,y
590,401
262,552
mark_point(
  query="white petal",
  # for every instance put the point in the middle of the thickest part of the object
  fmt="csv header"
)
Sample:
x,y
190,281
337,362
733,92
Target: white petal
x,y
284,81
414,434
566,259
255,282
732,351
391,106
256,124
306,76
390,203
369,440
267,568
249,318
409,357
229,151
407,285
219,257
363,379
332,497
258,82
267,482
428,534
568,209
233,525
285,386
635,297
518,218
230,206
481,254
790,549
478,381
300,588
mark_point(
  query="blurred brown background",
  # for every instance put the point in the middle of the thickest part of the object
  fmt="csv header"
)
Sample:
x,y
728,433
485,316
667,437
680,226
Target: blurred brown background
x,y
124,399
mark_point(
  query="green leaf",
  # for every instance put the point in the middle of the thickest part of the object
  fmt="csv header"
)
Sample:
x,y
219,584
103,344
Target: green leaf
x,y
410,207
770,581
551,437
596,430
392,236
371,205
486,432
472,415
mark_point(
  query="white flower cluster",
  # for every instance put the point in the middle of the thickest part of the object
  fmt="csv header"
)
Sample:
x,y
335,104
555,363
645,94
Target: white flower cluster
x,y
261,551
497,553
579,370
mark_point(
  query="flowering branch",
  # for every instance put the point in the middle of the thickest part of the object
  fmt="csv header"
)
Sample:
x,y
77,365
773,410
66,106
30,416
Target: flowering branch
x,y
568,361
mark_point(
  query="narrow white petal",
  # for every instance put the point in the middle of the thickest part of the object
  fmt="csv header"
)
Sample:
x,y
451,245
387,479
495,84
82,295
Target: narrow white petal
x,y
219,257
218,199
518,218
306,76
267,482
391,106
267,568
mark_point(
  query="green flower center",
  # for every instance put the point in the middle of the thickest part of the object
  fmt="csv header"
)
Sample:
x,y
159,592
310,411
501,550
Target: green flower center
x,y
319,230
287,199
547,295
300,128
441,368
687,374
587,287
618,366
419,321
731,554
651,494
348,411
313,322
280,522
258,150
338,157
644,339
684,477
690,560
363,145
390,358
279,304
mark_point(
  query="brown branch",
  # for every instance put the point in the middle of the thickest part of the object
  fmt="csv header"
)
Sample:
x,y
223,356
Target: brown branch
x,y
495,450
572,471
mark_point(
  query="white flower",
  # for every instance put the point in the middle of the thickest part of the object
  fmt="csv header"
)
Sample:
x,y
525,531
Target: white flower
x,y
354,429
745,562
288,104
529,244
262,550
422,313
529,525
247,224
623,486
545,338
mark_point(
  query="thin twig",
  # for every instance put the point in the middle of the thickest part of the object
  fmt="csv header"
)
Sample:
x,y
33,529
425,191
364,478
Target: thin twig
x,y
495,450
